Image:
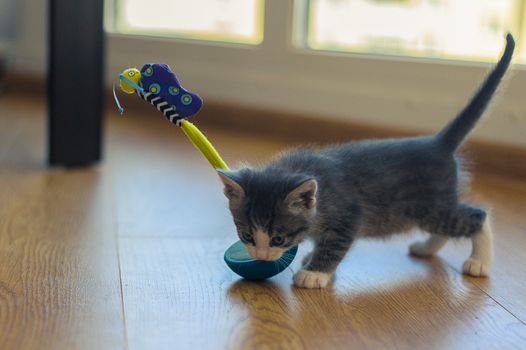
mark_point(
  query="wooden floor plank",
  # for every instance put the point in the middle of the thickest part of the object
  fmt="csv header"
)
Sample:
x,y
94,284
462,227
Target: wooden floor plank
x,y
179,294
506,200
59,269
59,277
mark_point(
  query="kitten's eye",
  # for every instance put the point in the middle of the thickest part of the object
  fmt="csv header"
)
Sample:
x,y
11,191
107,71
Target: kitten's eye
x,y
277,240
247,236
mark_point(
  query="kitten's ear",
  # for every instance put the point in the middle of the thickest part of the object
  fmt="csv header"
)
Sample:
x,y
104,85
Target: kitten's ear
x,y
233,190
303,197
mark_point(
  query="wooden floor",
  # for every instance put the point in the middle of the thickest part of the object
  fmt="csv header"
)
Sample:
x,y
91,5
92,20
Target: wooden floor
x,y
128,255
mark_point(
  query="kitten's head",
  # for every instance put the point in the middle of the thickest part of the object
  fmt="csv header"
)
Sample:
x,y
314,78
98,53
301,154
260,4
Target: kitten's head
x,y
272,210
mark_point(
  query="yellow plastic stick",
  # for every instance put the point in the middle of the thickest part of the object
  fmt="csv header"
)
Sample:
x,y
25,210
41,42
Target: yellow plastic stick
x,y
203,145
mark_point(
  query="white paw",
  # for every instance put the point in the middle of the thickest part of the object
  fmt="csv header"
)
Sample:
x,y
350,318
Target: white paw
x,y
476,268
421,249
311,279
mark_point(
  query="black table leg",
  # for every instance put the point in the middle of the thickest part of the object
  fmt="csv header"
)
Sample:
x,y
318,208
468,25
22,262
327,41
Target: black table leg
x,y
75,81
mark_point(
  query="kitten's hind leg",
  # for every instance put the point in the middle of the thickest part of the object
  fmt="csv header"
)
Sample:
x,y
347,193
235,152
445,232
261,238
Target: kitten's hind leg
x,y
479,263
428,247
465,221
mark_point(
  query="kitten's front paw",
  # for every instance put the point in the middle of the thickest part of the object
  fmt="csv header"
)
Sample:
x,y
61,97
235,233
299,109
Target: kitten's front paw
x,y
476,268
311,279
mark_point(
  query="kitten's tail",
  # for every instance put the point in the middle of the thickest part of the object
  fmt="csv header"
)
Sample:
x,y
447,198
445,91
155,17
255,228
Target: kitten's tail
x,y
454,133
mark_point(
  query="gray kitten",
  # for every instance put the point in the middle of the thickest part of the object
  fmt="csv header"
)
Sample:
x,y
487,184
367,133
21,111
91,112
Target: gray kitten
x,y
364,189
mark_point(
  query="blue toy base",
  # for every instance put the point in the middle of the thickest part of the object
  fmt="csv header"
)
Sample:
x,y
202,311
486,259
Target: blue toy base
x,y
239,261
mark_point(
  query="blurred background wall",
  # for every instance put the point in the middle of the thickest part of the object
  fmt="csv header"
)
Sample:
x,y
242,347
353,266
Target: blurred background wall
x,y
27,21
8,23
285,73
8,26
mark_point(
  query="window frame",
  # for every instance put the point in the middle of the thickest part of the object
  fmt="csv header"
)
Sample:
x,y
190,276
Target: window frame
x,y
282,74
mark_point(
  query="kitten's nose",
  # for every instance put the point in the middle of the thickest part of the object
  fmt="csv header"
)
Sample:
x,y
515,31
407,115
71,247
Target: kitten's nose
x,y
262,253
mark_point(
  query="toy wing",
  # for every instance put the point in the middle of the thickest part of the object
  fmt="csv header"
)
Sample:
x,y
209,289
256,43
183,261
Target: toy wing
x,y
164,92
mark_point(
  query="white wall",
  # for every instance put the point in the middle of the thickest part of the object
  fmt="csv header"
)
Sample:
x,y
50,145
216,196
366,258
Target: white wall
x,y
416,94
8,20
29,50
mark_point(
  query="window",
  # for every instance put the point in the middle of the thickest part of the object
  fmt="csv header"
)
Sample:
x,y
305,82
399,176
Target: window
x,y
447,29
296,68
238,21
457,29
